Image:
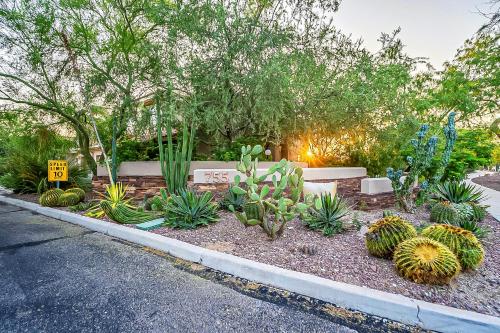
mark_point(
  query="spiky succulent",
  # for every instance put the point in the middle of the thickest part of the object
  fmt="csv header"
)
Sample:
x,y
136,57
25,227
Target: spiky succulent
x,y
237,201
384,235
68,199
424,260
458,192
327,214
51,197
122,213
77,191
187,210
462,242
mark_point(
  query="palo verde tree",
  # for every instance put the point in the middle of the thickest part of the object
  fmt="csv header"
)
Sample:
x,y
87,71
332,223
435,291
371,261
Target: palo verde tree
x,y
115,44
35,74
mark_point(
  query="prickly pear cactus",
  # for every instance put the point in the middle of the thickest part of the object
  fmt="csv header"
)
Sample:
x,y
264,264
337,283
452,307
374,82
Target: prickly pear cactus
x,y
463,243
384,235
424,260
68,199
51,197
77,191
270,209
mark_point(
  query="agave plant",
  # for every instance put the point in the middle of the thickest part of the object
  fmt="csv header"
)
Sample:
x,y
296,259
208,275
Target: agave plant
x,y
115,194
187,210
327,214
458,192
237,201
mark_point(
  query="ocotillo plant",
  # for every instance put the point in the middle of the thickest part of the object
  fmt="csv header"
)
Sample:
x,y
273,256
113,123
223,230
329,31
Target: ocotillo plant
x,y
271,210
174,164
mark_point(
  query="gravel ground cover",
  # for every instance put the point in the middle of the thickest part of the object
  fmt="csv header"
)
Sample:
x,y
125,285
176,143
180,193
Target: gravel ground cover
x,y
344,258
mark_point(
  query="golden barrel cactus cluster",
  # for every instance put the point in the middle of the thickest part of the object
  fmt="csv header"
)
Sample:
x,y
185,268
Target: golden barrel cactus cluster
x,y
434,257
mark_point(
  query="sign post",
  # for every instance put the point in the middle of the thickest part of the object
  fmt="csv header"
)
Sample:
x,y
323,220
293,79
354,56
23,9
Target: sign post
x,y
58,171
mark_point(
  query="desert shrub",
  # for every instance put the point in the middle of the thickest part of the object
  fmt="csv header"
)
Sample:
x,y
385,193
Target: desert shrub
x,y
384,235
463,243
23,165
187,210
424,260
327,214
232,151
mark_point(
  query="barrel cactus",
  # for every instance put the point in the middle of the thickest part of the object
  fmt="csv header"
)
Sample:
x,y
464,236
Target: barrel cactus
x,y
463,243
51,197
77,191
424,260
68,199
384,235
444,212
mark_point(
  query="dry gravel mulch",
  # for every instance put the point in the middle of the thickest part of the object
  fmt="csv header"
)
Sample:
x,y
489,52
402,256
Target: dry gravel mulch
x,y
344,258
491,181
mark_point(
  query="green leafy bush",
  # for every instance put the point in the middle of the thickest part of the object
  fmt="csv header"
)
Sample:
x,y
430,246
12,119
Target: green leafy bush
x,y
24,167
232,151
327,214
187,210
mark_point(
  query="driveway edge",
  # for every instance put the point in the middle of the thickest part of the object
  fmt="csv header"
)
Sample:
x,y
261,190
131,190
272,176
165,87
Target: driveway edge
x,y
382,304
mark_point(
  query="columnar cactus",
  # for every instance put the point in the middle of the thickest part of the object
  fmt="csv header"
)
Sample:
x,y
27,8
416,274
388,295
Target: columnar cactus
x,y
420,161
271,210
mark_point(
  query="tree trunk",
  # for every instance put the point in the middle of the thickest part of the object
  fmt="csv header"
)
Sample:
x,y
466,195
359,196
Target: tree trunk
x,y
84,143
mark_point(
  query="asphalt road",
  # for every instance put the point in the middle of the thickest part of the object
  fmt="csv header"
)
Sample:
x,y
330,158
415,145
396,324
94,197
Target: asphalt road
x,y
58,277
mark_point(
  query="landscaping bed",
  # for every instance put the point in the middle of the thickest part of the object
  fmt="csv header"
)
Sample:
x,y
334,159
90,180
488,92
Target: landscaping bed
x,y
344,257
490,181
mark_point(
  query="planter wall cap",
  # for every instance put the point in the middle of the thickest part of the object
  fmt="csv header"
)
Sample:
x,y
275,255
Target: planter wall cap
x,y
379,303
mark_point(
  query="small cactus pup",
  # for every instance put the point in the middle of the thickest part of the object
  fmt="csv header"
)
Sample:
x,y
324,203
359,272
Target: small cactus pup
x,y
424,260
77,191
51,197
384,235
463,243
68,199
269,209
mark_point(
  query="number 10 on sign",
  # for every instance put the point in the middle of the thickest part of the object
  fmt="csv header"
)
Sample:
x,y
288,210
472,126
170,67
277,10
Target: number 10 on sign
x,y
58,171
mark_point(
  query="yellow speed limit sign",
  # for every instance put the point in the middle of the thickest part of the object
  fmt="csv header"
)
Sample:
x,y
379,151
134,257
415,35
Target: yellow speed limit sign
x,y
58,170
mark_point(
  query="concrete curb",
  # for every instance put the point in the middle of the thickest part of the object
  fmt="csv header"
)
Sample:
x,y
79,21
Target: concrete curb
x,y
395,307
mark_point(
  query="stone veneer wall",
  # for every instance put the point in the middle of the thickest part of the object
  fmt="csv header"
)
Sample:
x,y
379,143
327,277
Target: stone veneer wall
x,y
140,186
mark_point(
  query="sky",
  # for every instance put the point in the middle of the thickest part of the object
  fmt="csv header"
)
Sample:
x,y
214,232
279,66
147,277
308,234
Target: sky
x,y
429,28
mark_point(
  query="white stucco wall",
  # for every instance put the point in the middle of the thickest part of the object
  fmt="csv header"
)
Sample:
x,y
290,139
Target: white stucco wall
x,y
152,168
